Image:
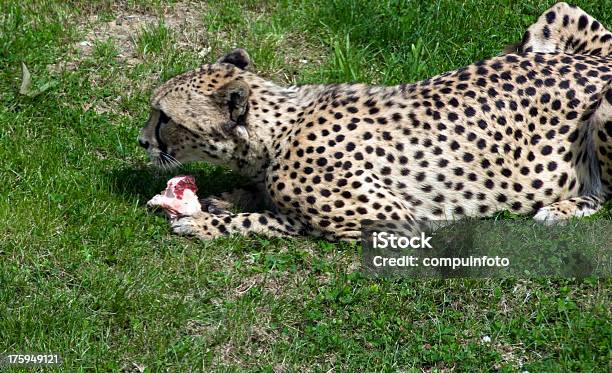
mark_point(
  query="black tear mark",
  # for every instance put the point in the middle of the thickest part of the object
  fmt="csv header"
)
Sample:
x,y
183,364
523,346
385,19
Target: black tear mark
x,y
163,119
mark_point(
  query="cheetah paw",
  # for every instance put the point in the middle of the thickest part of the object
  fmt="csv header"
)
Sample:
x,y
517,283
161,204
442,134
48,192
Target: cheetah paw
x,y
559,213
188,226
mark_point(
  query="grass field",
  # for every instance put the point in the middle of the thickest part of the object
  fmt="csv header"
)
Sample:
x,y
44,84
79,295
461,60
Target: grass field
x,y
87,272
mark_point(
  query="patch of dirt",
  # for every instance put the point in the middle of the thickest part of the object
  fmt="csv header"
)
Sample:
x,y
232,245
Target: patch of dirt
x,y
133,367
183,19
514,355
278,284
186,32
197,328
256,341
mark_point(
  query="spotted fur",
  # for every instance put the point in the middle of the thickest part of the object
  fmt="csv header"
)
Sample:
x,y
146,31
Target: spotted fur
x,y
528,132
565,29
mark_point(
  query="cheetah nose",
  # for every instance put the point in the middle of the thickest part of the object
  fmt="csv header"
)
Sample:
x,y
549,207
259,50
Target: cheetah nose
x,y
143,143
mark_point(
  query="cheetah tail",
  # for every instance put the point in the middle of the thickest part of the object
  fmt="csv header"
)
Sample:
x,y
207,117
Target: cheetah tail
x,y
565,29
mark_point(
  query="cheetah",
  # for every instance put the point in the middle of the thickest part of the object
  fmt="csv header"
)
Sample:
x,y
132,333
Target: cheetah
x,y
528,131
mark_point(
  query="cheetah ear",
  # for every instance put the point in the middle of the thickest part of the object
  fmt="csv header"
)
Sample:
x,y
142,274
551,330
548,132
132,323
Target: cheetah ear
x,y
238,57
234,97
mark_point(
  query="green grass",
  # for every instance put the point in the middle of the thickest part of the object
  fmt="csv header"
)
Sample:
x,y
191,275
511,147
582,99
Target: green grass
x,y
155,39
87,272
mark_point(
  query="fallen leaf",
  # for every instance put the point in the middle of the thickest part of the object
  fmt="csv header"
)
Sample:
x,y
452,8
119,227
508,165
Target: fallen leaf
x,y
26,80
26,83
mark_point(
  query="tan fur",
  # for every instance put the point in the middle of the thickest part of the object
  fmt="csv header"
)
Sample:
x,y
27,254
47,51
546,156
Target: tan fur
x,y
516,132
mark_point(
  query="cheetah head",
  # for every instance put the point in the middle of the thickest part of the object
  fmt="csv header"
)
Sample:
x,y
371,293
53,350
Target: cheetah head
x,y
202,115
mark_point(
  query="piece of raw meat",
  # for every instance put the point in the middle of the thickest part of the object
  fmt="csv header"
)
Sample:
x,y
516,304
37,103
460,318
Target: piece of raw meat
x,y
179,198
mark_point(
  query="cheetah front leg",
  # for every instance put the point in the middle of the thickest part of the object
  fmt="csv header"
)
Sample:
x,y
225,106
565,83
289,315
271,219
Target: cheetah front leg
x,y
207,226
